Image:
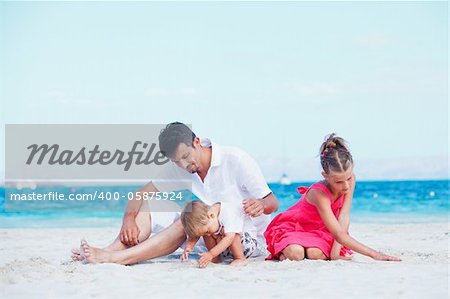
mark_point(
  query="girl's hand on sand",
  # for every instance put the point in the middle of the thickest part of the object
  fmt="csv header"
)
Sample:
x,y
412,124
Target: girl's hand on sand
x,y
253,207
335,251
340,257
205,259
384,257
129,233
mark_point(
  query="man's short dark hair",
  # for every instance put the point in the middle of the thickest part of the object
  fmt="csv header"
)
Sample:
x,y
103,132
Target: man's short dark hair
x,y
172,136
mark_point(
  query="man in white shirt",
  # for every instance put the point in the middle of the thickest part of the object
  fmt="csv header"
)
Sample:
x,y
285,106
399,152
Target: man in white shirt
x,y
219,173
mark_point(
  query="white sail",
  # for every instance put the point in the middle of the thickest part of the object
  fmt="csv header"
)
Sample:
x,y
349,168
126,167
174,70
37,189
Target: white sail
x,y
285,180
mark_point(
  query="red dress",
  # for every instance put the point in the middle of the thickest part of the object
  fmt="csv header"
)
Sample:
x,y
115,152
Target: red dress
x,y
301,224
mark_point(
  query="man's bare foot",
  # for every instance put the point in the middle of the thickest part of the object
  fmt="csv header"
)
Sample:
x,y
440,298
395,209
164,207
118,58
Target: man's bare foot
x,y
239,262
77,255
282,257
94,255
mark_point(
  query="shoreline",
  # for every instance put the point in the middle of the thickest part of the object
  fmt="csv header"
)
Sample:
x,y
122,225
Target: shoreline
x,y
36,221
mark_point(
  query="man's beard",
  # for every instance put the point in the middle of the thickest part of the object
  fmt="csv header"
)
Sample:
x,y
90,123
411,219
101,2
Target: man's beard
x,y
192,169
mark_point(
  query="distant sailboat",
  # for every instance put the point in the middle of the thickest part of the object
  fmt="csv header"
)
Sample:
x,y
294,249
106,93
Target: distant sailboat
x,y
285,180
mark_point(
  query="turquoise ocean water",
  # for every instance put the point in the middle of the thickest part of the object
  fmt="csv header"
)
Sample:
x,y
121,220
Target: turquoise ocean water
x,y
374,202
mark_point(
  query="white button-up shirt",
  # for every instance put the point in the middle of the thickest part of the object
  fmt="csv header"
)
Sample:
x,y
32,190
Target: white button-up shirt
x,y
232,177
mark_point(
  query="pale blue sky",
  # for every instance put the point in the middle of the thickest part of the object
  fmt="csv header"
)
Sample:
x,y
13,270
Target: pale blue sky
x,y
256,75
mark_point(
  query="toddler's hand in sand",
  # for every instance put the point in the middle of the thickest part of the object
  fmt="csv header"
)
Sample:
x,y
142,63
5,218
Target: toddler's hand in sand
x,y
185,255
384,257
205,259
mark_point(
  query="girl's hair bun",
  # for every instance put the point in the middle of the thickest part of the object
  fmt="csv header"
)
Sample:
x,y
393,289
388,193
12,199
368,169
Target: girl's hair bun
x,y
334,154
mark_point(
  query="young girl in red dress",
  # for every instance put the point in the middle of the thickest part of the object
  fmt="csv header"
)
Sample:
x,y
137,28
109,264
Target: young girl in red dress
x,y
316,226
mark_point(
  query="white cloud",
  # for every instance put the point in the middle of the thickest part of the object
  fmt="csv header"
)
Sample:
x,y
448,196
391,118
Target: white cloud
x,y
56,93
163,92
62,97
156,92
188,91
314,89
373,41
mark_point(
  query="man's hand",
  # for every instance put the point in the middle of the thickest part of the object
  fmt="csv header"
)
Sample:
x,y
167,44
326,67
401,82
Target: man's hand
x,y
205,259
253,207
129,233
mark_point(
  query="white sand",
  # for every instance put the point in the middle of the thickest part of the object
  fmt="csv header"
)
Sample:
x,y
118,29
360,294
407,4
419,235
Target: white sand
x,y
35,263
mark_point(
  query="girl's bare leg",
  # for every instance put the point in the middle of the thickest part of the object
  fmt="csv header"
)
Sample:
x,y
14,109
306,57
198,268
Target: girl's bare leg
x,y
294,252
313,253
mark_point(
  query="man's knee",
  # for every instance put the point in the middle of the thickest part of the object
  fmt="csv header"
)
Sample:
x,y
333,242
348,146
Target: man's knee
x,y
315,254
294,252
143,221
